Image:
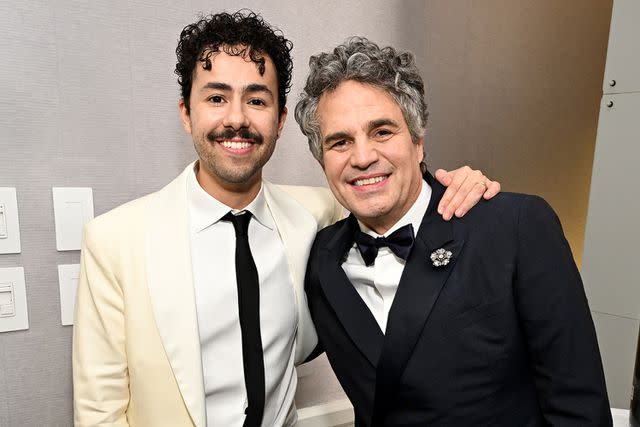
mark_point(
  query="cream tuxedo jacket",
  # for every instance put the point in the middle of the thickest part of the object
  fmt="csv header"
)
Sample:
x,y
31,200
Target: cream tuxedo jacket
x,y
136,348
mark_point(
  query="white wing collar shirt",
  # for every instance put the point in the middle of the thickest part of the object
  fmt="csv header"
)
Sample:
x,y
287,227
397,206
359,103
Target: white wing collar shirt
x,y
213,263
378,283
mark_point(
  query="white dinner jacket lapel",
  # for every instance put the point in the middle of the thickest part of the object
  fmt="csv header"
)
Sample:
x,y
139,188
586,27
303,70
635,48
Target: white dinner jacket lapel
x,y
170,282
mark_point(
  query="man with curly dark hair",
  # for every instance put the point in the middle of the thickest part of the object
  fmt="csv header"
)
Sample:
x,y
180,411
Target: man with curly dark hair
x,y
237,35
190,307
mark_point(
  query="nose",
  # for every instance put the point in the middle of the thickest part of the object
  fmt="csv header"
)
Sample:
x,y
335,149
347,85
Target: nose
x,y
363,154
235,117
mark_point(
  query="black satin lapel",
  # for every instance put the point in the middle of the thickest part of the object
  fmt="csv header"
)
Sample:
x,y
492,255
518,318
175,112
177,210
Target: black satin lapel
x,y
351,311
417,294
420,285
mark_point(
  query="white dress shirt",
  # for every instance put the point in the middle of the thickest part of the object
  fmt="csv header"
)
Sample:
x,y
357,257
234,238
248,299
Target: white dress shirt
x,y
214,273
378,283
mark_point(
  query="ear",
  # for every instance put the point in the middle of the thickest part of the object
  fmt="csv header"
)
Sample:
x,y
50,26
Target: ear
x,y
281,120
184,116
420,149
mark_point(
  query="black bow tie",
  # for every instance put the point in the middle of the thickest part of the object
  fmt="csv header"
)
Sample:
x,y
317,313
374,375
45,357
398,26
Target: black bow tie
x,y
400,243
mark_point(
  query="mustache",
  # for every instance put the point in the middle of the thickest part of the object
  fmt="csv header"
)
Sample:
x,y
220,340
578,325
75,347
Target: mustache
x,y
243,133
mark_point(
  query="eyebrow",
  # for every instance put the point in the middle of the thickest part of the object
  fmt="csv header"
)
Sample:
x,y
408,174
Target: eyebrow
x,y
256,87
381,122
334,137
217,86
251,88
373,124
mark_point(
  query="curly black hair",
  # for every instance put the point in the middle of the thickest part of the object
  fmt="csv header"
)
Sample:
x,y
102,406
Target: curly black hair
x,y
241,33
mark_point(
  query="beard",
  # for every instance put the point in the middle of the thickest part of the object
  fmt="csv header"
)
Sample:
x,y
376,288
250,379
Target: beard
x,y
228,169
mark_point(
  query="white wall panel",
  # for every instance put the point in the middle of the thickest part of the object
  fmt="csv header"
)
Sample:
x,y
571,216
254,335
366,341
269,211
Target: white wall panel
x,y
610,259
617,340
623,55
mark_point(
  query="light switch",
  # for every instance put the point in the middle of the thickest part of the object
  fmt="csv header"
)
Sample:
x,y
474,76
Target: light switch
x,y
68,275
13,300
73,207
3,223
7,300
9,225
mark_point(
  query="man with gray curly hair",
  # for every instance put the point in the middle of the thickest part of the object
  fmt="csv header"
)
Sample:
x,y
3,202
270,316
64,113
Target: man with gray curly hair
x,y
362,61
482,320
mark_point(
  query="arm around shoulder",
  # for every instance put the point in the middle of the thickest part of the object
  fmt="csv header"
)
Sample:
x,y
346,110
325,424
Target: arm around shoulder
x,y
319,202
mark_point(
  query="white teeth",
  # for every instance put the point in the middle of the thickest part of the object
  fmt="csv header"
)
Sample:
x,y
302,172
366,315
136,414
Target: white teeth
x,y
236,145
369,181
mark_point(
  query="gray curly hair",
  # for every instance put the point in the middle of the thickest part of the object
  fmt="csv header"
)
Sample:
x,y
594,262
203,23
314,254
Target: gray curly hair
x,y
362,60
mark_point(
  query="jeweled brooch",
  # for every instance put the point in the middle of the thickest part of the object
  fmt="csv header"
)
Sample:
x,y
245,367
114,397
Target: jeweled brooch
x,y
441,257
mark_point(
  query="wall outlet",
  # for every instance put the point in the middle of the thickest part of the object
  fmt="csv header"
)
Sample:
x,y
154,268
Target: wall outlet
x,y
9,224
13,300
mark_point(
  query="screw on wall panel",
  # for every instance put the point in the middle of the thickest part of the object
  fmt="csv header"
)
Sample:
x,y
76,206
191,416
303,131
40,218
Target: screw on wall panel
x,y
612,83
610,104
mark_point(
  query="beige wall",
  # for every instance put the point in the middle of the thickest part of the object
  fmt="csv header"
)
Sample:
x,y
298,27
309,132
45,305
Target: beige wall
x,y
515,88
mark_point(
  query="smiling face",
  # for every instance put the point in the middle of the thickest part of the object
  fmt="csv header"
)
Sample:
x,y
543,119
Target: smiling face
x,y
371,163
234,123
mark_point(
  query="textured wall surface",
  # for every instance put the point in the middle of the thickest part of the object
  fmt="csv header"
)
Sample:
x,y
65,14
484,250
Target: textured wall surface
x,y
89,98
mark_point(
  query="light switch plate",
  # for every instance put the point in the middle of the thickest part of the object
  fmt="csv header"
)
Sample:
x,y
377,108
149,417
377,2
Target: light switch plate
x,y
68,275
73,207
7,300
13,300
9,224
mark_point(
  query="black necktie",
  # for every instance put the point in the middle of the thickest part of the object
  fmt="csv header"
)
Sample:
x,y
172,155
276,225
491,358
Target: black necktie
x,y
400,243
249,308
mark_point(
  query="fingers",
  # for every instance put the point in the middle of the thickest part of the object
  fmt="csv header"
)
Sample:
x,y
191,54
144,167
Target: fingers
x,y
467,195
493,188
458,177
465,188
444,177
475,193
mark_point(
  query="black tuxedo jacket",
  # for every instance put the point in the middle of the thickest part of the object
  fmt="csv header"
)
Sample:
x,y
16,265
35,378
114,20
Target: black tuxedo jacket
x,y
501,336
